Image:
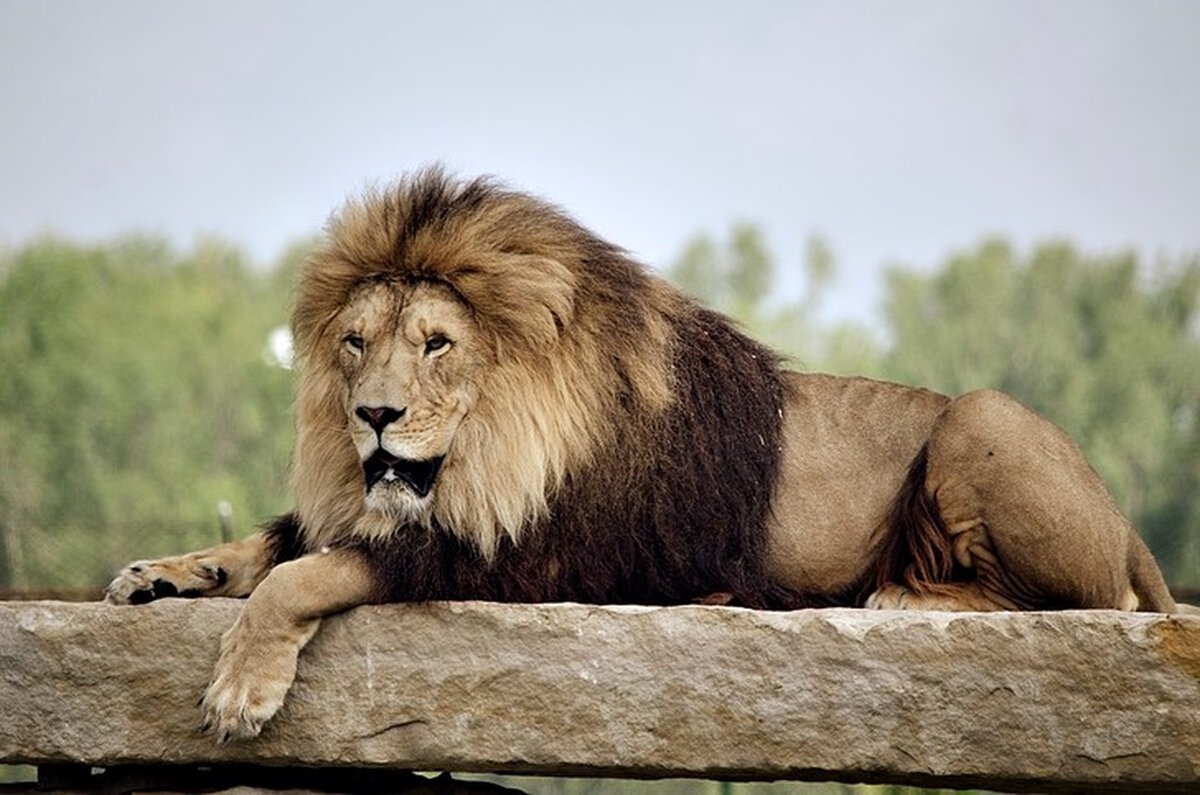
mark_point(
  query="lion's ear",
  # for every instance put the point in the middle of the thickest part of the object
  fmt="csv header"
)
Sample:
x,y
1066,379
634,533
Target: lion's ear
x,y
526,301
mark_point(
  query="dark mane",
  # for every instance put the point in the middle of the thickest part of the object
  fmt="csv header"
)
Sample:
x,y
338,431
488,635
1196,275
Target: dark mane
x,y
673,502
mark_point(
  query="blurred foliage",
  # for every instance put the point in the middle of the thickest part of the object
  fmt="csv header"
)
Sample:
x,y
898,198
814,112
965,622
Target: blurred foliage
x,y
1103,345
738,277
139,390
138,393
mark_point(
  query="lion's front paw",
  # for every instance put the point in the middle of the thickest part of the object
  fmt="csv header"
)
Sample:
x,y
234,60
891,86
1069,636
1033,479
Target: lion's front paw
x,y
132,585
251,679
146,580
237,704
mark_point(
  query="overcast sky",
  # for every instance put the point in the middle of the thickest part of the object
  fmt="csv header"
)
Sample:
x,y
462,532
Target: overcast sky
x,y
898,130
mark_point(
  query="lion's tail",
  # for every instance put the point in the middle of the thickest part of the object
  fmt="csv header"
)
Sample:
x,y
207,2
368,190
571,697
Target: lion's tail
x,y
915,550
1147,579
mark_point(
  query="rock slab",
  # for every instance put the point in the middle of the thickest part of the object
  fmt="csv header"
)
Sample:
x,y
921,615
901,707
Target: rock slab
x,y
1046,701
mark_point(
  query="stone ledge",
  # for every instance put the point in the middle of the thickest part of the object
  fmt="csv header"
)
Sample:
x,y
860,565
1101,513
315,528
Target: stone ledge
x,y
1048,701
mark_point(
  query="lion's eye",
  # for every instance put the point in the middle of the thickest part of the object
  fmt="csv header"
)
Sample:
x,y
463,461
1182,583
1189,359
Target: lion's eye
x,y
353,342
435,343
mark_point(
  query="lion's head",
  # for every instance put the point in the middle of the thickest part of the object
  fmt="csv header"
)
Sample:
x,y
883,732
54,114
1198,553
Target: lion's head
x,y
410,358
464,349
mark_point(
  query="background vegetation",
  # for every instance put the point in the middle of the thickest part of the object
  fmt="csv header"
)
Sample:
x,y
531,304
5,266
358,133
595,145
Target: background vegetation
x,y
139,389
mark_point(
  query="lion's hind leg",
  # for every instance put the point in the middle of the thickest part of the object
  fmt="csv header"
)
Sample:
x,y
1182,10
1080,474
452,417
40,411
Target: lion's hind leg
x,y
1001,508
232,569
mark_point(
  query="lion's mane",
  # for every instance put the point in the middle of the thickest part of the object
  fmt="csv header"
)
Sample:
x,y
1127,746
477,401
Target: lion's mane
x,y
624,445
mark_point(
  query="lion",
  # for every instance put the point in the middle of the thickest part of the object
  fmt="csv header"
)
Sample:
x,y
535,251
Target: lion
x,y
495,403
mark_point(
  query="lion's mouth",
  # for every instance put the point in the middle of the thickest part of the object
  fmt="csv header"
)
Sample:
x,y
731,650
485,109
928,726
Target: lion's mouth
x,y
417,475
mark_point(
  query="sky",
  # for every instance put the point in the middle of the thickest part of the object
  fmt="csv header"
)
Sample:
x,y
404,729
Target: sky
x,y
898,131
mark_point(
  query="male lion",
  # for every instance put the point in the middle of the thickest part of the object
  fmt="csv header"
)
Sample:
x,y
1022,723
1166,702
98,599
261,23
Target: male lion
x,y
497,404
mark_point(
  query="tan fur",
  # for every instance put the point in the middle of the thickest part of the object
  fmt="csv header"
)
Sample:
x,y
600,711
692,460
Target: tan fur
x,y
1027,521
847,446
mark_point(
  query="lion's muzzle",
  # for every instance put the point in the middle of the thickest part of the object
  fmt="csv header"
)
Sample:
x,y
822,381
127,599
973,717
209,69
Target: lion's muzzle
x,y
416,475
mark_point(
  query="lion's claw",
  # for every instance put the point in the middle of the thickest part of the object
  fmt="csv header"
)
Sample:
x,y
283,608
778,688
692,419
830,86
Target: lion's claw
x,y
234,712
236,706
131,586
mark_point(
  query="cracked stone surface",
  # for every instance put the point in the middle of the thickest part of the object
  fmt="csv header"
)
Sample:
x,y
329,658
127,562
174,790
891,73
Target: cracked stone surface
x,y
1046,701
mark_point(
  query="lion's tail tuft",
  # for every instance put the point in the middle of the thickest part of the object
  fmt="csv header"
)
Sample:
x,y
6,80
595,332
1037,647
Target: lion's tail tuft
x,y
915,550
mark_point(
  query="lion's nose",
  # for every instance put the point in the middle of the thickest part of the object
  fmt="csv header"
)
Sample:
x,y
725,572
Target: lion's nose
x,y
379,417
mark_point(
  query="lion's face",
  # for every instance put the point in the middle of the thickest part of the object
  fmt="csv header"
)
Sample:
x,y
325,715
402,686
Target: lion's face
x,y
411,357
